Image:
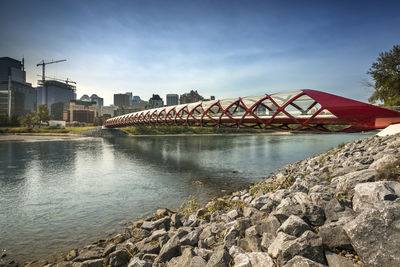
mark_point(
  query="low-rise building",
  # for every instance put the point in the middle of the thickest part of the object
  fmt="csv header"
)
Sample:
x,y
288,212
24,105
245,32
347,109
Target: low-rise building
x,y
108,111
80,111
190,97
155,102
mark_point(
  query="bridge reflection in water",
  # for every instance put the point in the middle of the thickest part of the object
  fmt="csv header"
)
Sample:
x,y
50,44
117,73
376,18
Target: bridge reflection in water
x,y
303,110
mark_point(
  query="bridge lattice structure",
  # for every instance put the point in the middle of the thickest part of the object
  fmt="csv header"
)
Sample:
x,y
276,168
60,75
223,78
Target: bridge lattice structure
x,y
308,110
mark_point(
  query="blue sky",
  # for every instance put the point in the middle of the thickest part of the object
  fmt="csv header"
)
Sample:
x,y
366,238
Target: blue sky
x,y
222,48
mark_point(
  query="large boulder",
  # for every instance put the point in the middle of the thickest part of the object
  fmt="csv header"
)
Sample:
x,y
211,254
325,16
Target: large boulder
x,y
335,260
347,182
383,161
299,261
375,234
333,234
220,258
308,245
170,250
367,194
295,226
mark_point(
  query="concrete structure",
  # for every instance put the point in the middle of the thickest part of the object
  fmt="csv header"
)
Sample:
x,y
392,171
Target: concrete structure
x,y
155,102
54,123
172,99
17,97
56,95
121,100
209,98
303,110
108,111
190,97
80,111
99,100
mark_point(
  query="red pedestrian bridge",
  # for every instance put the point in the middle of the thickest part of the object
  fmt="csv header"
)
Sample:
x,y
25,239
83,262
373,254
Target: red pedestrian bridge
x,y
303,110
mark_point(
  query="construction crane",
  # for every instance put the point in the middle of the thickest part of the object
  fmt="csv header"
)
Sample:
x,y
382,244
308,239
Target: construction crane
x,y
43,64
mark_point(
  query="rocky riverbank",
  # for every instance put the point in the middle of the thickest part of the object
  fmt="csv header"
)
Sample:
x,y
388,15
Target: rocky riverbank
x,y
341,208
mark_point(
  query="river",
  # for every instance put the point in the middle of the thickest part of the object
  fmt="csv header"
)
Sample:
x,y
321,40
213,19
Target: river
x,y
56,195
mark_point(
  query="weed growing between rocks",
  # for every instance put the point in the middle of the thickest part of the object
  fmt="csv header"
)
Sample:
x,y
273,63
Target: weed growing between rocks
x,y
389,172
272,186
189,206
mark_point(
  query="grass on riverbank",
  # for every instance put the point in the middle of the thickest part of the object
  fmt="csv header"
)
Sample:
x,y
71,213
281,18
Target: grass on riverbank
x,y
153,130
70,130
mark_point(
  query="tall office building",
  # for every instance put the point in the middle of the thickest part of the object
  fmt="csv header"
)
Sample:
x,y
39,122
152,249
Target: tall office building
x,y
172,99
17,97
121,100
130,98
99,100
85,98
56,95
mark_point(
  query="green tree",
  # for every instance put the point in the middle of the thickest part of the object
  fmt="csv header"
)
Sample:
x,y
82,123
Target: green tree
x,y
42,115
385,72
27,120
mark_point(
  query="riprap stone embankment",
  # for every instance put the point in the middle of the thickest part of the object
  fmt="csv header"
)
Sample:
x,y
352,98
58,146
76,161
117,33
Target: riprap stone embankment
x,y
341,208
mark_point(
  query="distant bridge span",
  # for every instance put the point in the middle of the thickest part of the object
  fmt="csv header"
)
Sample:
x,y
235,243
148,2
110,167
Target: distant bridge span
x,y
303,110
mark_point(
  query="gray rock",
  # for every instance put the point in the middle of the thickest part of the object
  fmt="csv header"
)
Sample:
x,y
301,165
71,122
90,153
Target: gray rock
x,y
176,220
233,214
382,162
191,238
347,182
338,208
375,234
197,261
219,258
162,223
275,248
258,202
230,238
252,241
268,206
108,249
299,261
308,245
147,225
92,263
183,260
136,262
235,250
295,226
204,253
333,234
271,226
313,214
335,260
170,250
282,212
118,258
260,259
242,260
367,194
89,254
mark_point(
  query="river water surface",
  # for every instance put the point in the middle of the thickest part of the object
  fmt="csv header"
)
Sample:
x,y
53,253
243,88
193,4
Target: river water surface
x,y
62,194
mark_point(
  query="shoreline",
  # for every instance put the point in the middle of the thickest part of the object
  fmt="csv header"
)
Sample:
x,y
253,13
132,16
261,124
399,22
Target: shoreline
x,y
295,207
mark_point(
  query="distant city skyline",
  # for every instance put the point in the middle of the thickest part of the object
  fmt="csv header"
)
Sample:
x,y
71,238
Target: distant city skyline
x,y
222,48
